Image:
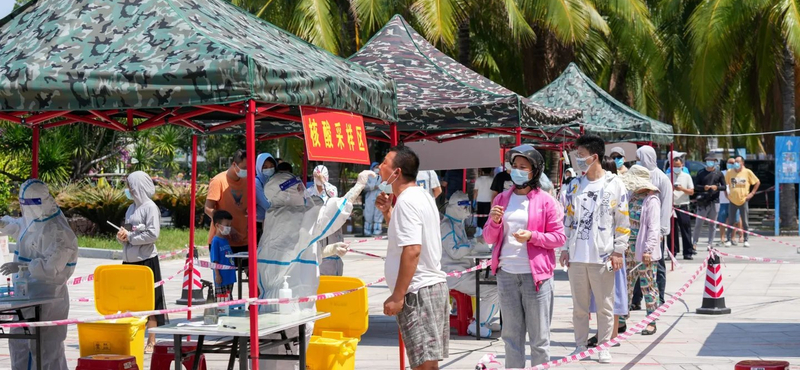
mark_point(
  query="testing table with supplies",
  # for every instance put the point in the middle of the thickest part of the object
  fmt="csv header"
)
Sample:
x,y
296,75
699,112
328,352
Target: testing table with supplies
x,y
13,307
237,327
478,282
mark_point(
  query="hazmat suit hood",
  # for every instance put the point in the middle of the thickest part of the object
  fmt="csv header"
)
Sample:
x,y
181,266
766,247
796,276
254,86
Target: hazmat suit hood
x,y
323,172
647,155
141,187
458,207
263,157
285,189
36,202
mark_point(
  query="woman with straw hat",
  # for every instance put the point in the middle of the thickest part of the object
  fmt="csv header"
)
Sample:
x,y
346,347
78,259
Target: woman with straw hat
x,y
643,252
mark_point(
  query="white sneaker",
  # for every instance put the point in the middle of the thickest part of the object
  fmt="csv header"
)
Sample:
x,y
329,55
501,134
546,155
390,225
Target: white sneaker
x,y
728,243
495,326
604,356
747,244
578,350
485,332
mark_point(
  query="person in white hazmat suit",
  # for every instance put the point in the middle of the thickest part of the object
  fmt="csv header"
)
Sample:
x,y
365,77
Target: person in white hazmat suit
x,y
293,228
47,245
330,265
456,247
373,218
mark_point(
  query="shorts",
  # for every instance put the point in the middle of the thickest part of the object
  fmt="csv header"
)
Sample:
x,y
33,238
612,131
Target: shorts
x,y
223,290
424,324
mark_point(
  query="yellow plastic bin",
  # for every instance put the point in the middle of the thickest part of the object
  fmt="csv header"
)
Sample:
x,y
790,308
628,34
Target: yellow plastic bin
x,y
119,288
333,345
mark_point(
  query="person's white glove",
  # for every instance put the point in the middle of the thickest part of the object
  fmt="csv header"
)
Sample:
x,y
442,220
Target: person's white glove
x,y
6,220
339,249
364,176
10,268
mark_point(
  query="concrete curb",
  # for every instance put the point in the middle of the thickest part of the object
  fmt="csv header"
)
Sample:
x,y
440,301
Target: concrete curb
x,y
99,253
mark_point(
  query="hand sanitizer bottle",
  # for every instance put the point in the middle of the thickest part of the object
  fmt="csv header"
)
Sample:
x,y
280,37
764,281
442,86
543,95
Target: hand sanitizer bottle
x,y
285,292
21,285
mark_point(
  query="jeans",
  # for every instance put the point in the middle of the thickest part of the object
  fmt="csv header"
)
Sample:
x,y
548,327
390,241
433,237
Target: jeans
x,y
525,310
743,213
708,211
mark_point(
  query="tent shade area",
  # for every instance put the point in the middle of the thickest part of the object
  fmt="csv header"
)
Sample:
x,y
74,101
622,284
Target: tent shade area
x,y
602,114
187,62
436,95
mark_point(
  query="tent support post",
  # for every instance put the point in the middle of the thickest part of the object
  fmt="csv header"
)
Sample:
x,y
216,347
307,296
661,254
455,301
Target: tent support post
x,y
35,150
464,185
518,135
305,167
192,210
672,218
250,117
394,137
560,173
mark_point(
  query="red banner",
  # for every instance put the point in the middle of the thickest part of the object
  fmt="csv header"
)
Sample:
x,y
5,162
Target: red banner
x,y
334,136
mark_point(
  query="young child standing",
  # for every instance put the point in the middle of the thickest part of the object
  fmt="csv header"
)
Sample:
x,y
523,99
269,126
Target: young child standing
x,y
220,247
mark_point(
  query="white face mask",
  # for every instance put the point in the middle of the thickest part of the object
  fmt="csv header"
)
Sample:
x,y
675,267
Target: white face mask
x,y
581,165
268,172
224,230
386,187
242,174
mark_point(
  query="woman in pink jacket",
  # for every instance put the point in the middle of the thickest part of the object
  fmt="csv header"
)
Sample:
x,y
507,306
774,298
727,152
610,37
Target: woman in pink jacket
x,y
525,226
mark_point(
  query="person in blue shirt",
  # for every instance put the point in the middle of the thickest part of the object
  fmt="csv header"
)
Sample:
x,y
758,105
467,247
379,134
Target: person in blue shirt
x,y
220,248
266,165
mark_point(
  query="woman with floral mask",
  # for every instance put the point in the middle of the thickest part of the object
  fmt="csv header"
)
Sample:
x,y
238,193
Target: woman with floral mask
x,y
525,227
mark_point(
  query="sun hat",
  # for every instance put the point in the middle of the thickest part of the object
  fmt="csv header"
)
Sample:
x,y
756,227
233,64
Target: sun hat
x,y
638,178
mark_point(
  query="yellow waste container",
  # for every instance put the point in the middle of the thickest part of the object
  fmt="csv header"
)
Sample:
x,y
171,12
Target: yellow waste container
x,y
333,345
119,288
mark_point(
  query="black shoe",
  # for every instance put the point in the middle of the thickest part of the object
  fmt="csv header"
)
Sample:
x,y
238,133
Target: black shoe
x,y
636,306
650,332
688,258
622,329
592,342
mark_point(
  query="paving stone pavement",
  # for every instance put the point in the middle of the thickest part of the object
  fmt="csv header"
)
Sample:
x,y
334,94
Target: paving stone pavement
x,y
765,323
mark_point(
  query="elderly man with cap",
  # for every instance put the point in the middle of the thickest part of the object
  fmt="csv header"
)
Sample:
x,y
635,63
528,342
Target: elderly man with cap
x,y
708,184
683,188
618,155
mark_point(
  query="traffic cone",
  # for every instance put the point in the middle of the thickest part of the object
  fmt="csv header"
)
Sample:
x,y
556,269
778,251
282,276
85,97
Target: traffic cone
x,y
197,288
713,301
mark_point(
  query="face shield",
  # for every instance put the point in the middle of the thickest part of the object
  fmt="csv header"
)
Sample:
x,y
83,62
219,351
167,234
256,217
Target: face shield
x,y
459,206
35,201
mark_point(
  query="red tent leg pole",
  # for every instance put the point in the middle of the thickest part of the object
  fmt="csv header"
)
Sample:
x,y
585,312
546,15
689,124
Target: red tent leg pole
x,y
560,166
518,135
35,150
192,210
250,119
464,185
395,140
305,167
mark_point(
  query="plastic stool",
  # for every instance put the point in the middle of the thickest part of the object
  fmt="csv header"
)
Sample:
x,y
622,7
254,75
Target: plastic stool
x,y
164,355
463,314
107,362
762,365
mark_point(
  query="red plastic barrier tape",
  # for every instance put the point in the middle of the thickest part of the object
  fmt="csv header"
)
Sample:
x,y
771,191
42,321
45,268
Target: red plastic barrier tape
x,y
490,359
748,258
90,277
249,301
213,265
367,254
737,229
158,284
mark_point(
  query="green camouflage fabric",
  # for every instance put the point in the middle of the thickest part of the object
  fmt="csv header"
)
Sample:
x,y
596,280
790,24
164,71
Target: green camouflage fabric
x,y
602,114
435,92
82,55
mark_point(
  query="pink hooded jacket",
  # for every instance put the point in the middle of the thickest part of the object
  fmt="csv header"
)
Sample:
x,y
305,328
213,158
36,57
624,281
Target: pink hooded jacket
x,y
546,224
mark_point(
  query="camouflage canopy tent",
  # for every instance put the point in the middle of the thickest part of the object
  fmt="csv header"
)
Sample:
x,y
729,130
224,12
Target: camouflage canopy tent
x,y
438,96
205,64
186,62
602,114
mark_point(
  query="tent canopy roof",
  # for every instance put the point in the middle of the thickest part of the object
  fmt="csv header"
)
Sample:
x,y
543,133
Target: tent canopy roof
x,y
147,55
602,114
435,92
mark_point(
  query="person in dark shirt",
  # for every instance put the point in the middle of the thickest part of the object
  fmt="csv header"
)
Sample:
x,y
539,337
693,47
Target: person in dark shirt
x,y
707,185
453,182
501,183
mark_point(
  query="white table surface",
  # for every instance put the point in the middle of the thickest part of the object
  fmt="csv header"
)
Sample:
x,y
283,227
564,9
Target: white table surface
x,y
238,255
268,323
14,304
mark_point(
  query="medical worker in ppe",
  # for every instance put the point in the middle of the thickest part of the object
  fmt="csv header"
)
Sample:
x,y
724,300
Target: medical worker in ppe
x,y
331,265
373,218
456,247
290,246
48,246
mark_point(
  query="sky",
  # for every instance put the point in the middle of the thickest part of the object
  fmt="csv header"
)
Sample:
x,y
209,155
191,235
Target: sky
x,y
6,6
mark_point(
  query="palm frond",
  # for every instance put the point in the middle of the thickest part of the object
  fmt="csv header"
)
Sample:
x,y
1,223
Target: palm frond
x,y
787,14
371,14
517,23
314,22
567,19
439,19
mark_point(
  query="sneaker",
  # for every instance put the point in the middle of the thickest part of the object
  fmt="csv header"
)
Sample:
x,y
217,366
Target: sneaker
x,y
604,356
747,244
728,244
578,350
495,326
485,332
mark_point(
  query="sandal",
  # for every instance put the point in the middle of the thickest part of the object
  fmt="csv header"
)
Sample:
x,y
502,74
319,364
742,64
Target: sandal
x,y
149,347
647,330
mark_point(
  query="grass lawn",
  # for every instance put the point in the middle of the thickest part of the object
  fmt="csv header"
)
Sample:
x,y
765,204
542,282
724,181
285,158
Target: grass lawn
x,y
169,240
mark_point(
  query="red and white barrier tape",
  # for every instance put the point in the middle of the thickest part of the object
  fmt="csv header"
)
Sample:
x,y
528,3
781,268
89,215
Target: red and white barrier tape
x,y
158,284
736,228
491,359
212,265
748,258
366,254
674,260
250,301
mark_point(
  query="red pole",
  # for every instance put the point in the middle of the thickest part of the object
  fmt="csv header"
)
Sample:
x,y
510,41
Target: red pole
x,y
35,150
672,218
465,181
395,140
251,229
305,168
192,210
518,134
560,166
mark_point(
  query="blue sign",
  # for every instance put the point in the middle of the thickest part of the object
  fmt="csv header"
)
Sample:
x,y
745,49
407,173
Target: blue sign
x,y
787,158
